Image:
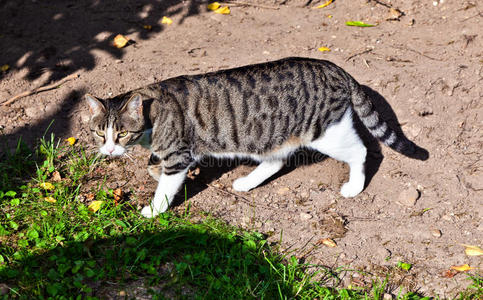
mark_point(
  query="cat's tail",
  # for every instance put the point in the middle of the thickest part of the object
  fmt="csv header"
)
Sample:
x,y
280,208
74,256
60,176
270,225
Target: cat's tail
x,y
380,129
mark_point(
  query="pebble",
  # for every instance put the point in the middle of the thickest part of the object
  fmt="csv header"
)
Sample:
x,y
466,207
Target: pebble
x,y
409,196
387,296
283,190
436,233
305,216
122,293
304,195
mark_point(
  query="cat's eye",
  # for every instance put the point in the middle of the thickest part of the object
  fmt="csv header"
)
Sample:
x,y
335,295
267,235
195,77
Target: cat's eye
x,y
100,133
122,134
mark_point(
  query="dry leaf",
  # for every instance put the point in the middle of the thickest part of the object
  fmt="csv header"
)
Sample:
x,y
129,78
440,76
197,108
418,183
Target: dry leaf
x,y
328,242
462,268
472,250
95,205
47,186
50,199
71,140
118,194
323,49
4,68
56,176
225,10
149,27
324,5
120,41
213,6
449,273
166,20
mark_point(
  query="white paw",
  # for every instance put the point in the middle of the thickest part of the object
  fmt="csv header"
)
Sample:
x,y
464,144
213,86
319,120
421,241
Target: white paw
x,y
150,212
242,184
349,190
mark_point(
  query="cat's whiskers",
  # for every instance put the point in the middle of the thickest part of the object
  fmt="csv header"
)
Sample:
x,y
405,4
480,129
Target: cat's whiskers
x,y
128,156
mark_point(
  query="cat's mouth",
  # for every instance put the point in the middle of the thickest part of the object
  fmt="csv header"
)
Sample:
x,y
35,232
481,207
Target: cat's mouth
x,y
112,151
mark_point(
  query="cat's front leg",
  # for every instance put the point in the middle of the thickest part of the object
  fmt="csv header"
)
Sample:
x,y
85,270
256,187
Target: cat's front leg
x,y
168,186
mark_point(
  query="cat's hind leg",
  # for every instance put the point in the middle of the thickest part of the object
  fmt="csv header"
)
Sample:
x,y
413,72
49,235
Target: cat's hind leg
x,y
261,173
341,141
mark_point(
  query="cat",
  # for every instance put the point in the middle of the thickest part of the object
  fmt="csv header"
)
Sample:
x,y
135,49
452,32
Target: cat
x,y
263,111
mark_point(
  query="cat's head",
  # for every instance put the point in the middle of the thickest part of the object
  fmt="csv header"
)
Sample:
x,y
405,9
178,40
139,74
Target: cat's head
x,y
116,123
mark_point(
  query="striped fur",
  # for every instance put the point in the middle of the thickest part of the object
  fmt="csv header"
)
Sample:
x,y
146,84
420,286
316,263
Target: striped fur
x,y
263,111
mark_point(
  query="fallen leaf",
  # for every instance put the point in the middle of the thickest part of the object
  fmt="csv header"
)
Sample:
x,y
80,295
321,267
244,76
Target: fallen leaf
x,y
462,268
225,10
329,16
213,6
324,5
4,68
95,205
358,24
404,266
328,242
472,250
50,199
71,140
117,194
166,20
449,273
47,186
56,176
323,49
90,196
120,41
149,27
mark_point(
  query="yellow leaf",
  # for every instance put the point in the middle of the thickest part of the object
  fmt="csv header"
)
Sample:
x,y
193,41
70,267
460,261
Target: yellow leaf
x,y
166,21
120,41
472,250
50,199
4,68
462,268
71,140
322,49
213,6
225,10
47,186
148,27
328,242
95,206
329,16
324,5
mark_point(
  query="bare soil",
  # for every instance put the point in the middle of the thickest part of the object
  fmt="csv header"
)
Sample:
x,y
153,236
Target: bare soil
x,y
427,65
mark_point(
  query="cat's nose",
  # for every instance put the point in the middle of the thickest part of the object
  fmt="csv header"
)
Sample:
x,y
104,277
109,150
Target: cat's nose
x,y
110,150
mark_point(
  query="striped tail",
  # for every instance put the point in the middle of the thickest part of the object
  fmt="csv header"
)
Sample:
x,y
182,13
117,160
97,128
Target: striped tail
x,y
379,128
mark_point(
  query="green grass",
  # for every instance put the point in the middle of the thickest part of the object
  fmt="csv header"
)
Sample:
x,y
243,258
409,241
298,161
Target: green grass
x,y
62,250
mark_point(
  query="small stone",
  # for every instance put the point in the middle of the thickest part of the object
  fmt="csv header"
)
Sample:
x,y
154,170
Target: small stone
x,y
304,195
283,190
436,233
305,216
387,296
408,196
122,293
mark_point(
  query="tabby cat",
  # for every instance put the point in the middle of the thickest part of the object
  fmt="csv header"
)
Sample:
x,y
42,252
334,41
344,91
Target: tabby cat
x,y
264,112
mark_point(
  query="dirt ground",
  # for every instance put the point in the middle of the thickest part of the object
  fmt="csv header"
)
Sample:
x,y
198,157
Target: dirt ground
x,y
426,62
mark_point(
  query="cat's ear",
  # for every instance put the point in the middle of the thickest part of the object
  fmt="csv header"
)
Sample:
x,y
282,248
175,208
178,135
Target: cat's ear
x,y
95,106
134,106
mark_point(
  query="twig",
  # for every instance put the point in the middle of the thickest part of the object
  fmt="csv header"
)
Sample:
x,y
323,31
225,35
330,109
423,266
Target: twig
x,y
415,51
241,3
357,54
40,89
